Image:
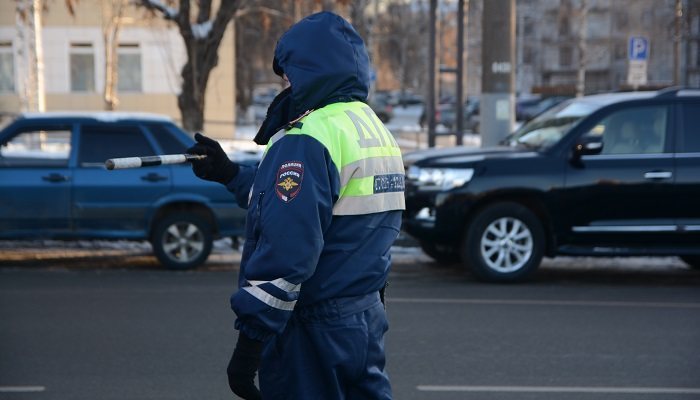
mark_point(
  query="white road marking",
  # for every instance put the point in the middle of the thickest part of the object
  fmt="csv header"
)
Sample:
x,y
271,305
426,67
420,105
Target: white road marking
x,y
574,303
21,389
561,389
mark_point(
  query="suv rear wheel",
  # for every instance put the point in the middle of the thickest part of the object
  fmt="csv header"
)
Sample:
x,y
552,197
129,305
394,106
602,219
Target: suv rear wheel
x,y
182,240
504,243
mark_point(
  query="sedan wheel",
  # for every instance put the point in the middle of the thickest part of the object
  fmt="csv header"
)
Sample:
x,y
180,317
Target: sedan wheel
x,y
182,241
504,242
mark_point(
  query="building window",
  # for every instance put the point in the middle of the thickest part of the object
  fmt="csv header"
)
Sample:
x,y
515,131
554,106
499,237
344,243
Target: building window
x,y
528,55
528,26
621,20
7,68
565,56
82,67
563,26
620,51
129,68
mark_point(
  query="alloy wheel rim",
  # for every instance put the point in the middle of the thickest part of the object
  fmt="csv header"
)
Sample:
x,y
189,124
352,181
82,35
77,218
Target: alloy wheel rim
x,y
506,245
183,242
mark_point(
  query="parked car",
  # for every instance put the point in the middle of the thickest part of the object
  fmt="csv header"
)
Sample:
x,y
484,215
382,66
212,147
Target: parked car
x,y
528,109
381,106
53,184
604,175
446,116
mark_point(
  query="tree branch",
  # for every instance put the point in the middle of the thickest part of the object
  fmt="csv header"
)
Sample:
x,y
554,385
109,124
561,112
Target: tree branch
x,y
168,13
204,11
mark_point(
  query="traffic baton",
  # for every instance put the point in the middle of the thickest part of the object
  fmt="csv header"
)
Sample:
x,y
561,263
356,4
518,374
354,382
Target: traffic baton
x,y
150,161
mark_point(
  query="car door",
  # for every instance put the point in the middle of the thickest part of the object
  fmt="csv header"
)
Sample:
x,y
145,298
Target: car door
x,y
35,179
115,203
688,173
625,194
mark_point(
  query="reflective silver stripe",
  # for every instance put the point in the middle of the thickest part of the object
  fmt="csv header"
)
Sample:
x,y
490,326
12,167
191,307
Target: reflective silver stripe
x,y
374,203
269,299
277,136
639,228
280,283
371,166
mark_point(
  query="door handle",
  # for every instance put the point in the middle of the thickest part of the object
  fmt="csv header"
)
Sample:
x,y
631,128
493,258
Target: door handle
x,y
658,175
54,177
154,177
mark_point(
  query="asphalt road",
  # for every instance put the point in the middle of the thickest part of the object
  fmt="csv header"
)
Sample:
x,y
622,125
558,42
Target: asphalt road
x,y
76,327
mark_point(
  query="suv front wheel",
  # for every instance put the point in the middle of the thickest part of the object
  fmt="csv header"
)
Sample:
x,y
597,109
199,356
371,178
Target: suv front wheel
x,y
182,240
503,243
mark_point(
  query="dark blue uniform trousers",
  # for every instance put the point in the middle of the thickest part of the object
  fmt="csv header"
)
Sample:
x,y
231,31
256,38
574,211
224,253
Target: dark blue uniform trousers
x,y
329,351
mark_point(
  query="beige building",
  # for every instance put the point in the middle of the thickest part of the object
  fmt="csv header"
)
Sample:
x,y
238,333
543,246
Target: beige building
x,y
151,54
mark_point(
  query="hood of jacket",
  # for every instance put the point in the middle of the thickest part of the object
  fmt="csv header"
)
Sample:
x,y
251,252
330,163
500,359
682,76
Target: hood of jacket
x,y
325,61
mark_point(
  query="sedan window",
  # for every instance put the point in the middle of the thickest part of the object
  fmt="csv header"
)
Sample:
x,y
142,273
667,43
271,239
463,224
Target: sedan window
x,y
99,143
48,147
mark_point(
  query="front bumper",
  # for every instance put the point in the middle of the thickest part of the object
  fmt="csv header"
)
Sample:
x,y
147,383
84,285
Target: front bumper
x,y
436,217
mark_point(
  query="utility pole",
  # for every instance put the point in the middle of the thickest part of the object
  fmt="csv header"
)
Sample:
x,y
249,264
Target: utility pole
x,y
677,34
430,98
497,73
582,34
460,73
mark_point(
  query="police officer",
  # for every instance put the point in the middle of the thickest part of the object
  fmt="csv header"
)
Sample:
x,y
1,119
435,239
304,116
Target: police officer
x,y
324,207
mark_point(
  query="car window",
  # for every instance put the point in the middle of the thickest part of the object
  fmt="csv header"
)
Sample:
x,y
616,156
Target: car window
x,y
99,143
639,130
48,147
690,138
549,127
166,139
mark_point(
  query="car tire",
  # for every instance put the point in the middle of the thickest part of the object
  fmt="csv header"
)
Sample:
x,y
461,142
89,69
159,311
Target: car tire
x,y
693,261
442,254
182,240
504,243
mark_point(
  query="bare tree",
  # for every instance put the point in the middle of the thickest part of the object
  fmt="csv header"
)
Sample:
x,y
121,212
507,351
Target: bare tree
x,y
29,25
112,19
402,36
202,36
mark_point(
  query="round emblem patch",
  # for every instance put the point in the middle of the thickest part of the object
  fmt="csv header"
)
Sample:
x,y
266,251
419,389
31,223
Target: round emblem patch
x,y
289,177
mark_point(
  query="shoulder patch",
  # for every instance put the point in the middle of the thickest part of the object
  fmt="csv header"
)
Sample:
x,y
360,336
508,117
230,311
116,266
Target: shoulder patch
x,y
289,177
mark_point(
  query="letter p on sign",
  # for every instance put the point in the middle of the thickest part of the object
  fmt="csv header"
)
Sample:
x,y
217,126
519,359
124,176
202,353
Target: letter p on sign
x,y
638,48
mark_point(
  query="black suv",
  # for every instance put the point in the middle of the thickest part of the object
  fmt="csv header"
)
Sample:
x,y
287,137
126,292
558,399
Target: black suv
x,y
611,175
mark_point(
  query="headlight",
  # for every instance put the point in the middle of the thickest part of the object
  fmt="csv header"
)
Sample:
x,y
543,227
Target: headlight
x,y
439,178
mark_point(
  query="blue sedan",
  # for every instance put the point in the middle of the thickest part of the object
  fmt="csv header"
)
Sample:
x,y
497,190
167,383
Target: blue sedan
x,y
53,184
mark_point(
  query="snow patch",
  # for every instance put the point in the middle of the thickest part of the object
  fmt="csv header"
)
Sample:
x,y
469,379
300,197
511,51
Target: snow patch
x,y
201,31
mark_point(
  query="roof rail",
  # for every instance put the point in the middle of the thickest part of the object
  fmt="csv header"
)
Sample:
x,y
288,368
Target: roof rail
x,y
670,91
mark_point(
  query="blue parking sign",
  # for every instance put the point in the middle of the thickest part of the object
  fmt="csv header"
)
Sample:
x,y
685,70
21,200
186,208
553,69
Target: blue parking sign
x,y
638,48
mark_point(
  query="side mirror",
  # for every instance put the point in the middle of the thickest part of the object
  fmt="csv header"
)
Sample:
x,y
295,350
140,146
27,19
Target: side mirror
x,y
588,145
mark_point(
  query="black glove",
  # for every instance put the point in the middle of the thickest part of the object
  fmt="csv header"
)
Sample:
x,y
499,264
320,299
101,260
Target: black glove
x,y
243,366
217,167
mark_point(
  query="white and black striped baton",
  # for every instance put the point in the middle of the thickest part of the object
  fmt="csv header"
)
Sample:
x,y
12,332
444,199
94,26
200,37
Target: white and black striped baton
x,y
150,161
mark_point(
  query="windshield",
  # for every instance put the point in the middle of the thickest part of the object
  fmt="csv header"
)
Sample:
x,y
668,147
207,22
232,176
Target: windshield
x,y
550,126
